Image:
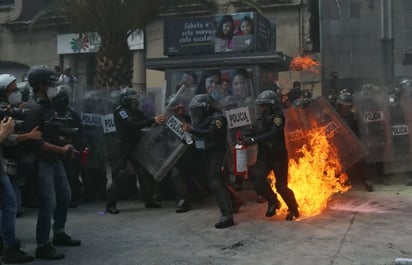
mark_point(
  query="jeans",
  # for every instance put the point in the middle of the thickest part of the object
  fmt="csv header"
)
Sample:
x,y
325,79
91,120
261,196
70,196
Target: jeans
x,y
54,199
8,212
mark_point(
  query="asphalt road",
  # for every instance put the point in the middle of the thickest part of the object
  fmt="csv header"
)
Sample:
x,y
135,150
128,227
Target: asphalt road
x,y
358,227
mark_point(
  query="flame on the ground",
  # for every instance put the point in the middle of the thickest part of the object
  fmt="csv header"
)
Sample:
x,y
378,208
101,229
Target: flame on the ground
x,y
315,176
305,63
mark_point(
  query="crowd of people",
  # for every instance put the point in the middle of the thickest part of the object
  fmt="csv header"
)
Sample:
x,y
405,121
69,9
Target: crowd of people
x,y
59,152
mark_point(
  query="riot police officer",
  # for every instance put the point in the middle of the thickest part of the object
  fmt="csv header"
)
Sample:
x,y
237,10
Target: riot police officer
x,y
268,133
344,106
54,189
129,121
209,127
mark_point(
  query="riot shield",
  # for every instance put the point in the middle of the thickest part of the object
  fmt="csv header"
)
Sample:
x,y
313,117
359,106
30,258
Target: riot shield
x,y
239,110
402,146
296,128
96,126
373,117
162,146
319,116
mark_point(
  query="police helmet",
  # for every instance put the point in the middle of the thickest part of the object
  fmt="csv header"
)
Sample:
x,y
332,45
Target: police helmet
x,y
267,97
203,101
269,100
5,81
405,83
301,102
129,98
345,99
228,103
199,107
41,75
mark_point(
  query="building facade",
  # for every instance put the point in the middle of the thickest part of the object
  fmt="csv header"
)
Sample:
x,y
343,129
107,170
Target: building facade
x,y
364,42
21,48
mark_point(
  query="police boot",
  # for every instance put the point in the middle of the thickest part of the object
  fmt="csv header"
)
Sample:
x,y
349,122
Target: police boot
x,y
224,222
225,207
272,207
182,206
111,208
292,214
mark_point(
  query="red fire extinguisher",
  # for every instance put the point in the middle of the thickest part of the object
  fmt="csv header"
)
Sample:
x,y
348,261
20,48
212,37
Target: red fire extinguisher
x,y
240,160
85,155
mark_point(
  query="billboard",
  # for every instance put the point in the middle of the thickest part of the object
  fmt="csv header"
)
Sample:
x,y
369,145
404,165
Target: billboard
x,y
235,32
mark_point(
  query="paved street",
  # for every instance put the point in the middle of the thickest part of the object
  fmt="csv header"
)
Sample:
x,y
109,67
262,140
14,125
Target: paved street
x,y
358,227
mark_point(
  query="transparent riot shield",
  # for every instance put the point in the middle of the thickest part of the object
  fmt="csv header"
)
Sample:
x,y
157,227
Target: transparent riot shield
x,y
162,146
97,126
319,117
400,136
373,117
239,109
405,128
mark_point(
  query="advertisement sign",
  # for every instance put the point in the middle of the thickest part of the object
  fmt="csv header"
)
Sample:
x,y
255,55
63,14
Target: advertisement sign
x,y
235,32
90,42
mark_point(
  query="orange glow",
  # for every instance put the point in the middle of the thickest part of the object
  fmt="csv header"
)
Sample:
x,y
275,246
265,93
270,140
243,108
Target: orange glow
x,y
315,176
305,63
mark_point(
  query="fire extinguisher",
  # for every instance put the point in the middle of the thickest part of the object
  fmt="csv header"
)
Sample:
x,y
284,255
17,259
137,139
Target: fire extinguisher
x,y
85,155
240,160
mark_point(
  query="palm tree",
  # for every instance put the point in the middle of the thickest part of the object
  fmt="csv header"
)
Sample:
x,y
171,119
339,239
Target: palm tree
x,y
114,21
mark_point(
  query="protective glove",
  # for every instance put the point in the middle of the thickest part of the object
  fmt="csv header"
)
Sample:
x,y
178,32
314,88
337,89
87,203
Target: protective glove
x,y
248,140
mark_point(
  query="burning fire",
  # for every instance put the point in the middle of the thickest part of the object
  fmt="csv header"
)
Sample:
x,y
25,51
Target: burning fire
x,y
304,63
316,175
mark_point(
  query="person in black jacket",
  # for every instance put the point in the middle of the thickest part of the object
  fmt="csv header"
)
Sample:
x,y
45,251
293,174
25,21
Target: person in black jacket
x,y
129,121
209,127
268,133
54,189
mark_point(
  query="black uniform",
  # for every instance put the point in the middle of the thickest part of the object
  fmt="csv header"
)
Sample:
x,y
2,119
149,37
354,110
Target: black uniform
x,y
210,134
128,125
268,133
69,120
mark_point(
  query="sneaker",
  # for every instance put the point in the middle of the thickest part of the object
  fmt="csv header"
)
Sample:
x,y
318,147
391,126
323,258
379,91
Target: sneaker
x,y
63,239
225,222
48,252
14,254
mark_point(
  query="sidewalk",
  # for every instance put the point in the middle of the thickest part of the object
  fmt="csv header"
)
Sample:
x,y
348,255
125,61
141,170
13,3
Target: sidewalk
x,y
358,227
